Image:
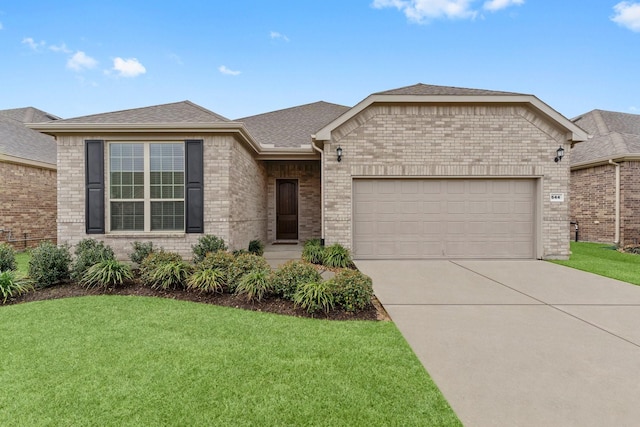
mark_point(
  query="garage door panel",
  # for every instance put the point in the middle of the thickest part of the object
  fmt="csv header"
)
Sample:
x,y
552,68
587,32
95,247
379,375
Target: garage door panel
x,y
444,218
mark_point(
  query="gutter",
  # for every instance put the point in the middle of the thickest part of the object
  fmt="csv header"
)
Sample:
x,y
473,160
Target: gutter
x,y
617,205
319,150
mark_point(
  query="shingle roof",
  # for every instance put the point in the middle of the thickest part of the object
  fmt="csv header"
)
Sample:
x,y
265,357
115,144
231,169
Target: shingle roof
x,y
292,127
422,89
28,115
614,135
177,112
17,140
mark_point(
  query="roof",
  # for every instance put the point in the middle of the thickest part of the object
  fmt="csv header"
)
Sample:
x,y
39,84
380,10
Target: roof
x,y
423,89
177,112
23,145
614,136
28,115
292,127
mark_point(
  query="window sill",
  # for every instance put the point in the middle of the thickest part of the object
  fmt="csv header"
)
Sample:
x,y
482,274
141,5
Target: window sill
x,y
146,235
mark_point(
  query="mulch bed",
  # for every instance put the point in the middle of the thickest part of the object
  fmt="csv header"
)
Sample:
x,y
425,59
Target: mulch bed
x,y
269,305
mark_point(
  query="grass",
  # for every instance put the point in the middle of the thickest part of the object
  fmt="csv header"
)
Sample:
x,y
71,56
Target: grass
x,y
604,260
22,259
114,360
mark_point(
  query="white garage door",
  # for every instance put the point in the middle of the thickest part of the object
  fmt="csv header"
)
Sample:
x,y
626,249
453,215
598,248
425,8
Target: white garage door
x,y
443,218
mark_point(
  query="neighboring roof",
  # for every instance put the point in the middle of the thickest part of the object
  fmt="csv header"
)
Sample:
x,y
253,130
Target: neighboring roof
x,y
292,127
421,93
177,112
614,136
28,115
19,144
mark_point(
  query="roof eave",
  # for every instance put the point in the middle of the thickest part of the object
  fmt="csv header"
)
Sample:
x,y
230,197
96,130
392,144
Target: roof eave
x,y
297,153
605,160
27,162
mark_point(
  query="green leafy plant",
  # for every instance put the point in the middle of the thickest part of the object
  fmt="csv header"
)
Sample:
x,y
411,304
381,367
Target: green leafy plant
x,y
106,273
255,285
154,260
352,290
87,253
287,278
7,257
337,256
169,275
49,264
313,251
315,296
207,244
256,247
10,286
243,264
207,280
141,250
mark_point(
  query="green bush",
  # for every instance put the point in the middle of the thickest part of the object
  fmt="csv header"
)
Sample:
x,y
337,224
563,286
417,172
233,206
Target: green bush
x,y
106,273
87,253
287,278
205,245
141,250
337,256
10,286
255,285
256,247
315,296
170,275
353,290
49,264
313,251
154,260
243,264
207,280
7,257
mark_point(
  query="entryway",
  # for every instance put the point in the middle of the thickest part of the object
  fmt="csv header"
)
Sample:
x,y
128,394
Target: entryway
x,y
286,209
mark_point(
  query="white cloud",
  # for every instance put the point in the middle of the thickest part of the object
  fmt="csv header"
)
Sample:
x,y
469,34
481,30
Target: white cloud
x,y
32,43
128,67
627,15
224,70
81,61
277,35
495,5
62,48
422,11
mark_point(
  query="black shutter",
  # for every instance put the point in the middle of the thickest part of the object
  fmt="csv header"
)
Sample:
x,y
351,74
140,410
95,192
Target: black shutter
x,y
194,186
94,191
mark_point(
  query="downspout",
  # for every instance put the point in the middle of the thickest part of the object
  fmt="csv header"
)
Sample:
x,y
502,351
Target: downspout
x,y
617,232
315,147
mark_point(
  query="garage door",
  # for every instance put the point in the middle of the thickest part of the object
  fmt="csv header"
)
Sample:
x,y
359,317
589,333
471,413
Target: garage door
x,y
443,218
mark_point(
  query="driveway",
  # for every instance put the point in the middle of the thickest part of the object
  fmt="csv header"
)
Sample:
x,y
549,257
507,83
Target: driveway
x,y
519,343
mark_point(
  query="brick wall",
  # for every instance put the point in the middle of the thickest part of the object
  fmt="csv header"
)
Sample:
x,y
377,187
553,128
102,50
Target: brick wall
x,y
27,205
449,141
593,202
308,175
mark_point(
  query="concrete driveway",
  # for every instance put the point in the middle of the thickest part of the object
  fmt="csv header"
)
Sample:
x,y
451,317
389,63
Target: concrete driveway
x,y
519,343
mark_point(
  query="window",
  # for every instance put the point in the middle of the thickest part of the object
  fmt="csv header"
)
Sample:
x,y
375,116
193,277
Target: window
x,y
146,186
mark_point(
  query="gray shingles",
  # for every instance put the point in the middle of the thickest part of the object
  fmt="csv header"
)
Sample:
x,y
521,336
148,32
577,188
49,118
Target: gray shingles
x,y
423,89
19,141
28,115
292,127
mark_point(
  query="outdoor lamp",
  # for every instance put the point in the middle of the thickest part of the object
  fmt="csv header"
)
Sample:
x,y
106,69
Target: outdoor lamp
x,y
559,154
339,152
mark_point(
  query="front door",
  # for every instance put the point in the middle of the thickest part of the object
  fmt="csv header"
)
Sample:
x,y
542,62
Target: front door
x,y
286,209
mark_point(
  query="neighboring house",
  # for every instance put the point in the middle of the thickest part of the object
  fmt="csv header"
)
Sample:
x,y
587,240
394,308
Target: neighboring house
x,y
417,172
27,179
605,178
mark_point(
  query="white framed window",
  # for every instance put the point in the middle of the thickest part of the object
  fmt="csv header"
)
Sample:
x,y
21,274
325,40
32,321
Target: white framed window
x,y
146,186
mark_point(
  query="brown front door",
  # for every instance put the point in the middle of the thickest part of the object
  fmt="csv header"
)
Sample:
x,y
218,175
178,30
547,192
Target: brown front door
x,y
286,209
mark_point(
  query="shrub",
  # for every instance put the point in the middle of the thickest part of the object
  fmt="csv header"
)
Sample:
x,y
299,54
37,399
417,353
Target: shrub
x,y
353,290
243,264
106,273
10,286
89,252
337,256
141,250
313,251
240,252
169,275
255,285
221,260
287,278
315,296
256,247
49,264
207,280
7,257
154,260
205,245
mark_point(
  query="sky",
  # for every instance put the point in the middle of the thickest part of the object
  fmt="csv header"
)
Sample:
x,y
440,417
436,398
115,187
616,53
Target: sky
x,y
240,58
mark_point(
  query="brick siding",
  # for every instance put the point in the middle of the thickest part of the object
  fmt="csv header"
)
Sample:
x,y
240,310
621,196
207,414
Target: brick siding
x,y
593,202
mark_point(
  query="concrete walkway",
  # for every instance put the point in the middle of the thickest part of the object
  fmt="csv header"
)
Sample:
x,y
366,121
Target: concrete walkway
x,y
519,343
278,254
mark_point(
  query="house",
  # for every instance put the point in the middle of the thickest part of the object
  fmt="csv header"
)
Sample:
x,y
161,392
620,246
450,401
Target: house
x,y
27,179
605,178
417,172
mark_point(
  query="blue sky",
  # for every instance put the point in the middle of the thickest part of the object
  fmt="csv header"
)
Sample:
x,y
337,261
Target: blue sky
x,y
246,57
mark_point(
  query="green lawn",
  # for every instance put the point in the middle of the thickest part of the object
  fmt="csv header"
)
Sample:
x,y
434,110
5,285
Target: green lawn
x,y
114,360
604,260
22,259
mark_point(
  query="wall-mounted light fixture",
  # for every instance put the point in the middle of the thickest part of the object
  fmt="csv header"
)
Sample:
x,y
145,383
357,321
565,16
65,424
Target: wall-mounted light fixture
x,y
339,152
559,154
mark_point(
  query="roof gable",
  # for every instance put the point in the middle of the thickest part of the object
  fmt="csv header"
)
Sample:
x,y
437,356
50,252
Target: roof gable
x,y
423,89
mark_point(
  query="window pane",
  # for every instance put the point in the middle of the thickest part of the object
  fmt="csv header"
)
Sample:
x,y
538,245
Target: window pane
x,y
116,178
167,215
127,215
156,192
